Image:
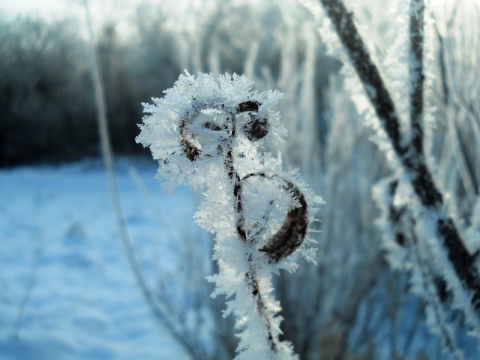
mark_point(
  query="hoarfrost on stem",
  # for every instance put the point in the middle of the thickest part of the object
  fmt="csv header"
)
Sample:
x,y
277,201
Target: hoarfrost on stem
x,y
212,134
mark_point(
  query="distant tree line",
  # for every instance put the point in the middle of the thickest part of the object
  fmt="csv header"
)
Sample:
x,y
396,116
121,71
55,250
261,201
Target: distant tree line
x,y
46,102
47,112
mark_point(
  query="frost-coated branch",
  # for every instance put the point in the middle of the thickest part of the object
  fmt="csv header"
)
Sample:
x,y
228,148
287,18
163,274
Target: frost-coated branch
x,y
409,153
211,134
416,25
372,82
405,251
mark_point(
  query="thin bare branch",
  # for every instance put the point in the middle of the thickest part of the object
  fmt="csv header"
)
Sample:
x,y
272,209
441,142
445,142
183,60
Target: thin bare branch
x,y
417,77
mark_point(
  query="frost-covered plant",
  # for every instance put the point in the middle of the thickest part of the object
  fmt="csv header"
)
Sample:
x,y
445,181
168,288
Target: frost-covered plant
x,y
212,134
403,129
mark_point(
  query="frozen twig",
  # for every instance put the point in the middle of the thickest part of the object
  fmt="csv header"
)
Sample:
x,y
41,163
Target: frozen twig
x,y
409,153
416,36
404,248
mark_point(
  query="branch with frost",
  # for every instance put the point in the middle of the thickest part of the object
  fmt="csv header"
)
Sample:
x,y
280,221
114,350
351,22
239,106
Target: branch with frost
x,y
211,134
459,105
409,152
405,252
417,78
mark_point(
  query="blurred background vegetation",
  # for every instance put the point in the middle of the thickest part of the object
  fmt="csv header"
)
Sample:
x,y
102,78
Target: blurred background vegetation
x,y
46,102
353,306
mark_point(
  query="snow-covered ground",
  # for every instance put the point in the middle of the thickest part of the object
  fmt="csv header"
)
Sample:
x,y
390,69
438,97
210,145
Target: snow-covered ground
x,y
62,262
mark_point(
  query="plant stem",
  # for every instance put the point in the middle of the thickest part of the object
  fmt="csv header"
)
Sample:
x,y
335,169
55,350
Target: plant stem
x,y
411,155
251,276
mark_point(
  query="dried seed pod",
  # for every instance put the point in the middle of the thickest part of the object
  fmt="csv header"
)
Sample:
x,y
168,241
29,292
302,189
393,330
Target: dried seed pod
x,y
292,232
294,227
191,151
256,129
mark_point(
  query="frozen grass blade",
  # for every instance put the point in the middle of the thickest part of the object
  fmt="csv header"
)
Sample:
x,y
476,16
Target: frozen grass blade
x,y
107,153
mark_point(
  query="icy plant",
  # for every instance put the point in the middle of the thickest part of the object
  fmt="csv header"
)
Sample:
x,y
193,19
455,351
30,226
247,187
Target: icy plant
x,y
212,135
420,234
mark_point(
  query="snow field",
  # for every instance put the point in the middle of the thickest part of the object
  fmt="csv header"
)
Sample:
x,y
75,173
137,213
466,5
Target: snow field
x,y
58,232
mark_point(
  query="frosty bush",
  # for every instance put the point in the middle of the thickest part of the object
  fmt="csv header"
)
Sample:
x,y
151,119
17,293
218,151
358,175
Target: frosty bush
x,y
212,134
421,234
